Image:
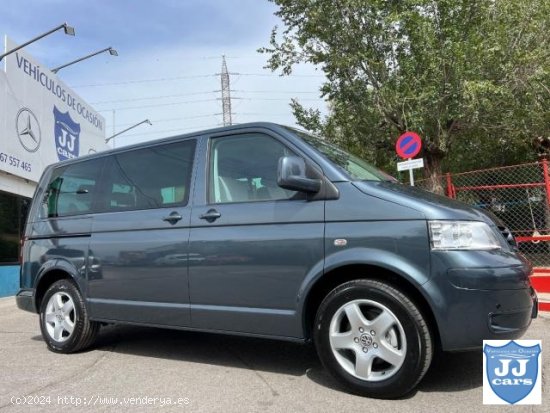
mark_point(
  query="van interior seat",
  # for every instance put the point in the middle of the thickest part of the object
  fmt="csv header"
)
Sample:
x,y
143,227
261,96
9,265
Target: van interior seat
x,y
233,190
149,198
122,200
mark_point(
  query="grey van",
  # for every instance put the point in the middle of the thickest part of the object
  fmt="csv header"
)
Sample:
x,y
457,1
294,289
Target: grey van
x,y
267,231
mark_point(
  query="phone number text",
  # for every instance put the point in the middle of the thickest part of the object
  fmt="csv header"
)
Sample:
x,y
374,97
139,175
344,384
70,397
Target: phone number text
x,y
15,162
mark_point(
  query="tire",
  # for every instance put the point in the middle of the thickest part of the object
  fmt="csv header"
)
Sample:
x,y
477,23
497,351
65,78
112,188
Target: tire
x,y
64,320
372,338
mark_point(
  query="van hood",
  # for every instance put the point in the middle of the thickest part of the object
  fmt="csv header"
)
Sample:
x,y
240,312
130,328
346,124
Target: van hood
x,y
432,206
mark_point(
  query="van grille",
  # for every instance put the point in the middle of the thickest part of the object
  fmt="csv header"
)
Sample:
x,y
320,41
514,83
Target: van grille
x,y
507,234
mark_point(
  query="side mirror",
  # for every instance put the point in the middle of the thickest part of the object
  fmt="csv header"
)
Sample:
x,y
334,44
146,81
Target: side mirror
x,y
291,174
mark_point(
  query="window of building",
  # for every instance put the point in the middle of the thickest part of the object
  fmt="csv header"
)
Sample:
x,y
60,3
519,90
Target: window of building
x,y
243,168
155,177
13,213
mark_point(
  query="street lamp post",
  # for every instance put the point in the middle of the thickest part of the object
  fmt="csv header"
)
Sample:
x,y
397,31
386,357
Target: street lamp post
x,y
69,30
127,129
111,51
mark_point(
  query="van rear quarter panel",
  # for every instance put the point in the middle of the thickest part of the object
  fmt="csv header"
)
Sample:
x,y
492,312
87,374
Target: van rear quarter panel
x,y
57,243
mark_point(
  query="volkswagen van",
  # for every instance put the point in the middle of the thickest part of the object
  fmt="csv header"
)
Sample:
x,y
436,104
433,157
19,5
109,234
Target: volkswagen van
x,y
266,231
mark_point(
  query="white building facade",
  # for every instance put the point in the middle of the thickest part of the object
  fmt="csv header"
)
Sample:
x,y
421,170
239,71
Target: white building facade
x,y
42,121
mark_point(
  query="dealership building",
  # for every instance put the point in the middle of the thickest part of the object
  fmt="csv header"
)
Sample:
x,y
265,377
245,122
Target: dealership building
x,y
42,121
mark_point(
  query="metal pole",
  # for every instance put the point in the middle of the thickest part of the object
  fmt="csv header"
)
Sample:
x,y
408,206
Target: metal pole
x,y
57,69
114,126
61,26
546,179
547,187
449,186
127,129
411,174
226,94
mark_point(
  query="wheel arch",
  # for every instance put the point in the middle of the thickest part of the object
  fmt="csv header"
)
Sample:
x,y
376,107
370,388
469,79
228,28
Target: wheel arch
x,y
354,271
50,273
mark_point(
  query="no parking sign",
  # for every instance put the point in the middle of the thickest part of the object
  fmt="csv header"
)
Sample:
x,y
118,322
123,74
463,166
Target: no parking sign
x,y
408,145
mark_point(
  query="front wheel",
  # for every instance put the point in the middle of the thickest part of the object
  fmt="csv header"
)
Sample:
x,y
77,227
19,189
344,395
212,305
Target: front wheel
x,y
373,338
64,320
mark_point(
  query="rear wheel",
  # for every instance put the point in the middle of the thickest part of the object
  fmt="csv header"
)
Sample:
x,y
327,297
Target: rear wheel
x,y
64,320
373,339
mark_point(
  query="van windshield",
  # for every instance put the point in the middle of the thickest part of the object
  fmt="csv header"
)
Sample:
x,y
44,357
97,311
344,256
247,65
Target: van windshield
x,y
354,166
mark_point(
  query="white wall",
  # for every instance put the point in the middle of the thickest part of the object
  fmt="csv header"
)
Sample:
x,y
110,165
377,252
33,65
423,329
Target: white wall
x,y
15,185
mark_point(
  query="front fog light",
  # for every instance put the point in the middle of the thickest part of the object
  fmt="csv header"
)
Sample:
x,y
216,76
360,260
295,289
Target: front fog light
x,y
462,235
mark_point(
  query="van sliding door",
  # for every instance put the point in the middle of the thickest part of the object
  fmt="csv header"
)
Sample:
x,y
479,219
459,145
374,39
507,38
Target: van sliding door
x,y
139,246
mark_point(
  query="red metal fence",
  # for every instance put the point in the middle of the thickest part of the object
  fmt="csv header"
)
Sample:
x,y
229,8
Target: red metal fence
x,y
518,194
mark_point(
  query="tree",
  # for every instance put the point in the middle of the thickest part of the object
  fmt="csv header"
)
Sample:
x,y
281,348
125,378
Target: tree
x,y
464,74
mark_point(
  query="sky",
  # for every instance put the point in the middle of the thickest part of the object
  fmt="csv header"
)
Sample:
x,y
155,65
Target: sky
x,y
169,61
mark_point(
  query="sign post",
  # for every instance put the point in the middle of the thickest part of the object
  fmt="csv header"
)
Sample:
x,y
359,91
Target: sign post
x,y
408,145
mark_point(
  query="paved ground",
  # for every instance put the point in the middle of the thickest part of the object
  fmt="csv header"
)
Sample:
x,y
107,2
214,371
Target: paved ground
x,y
215,373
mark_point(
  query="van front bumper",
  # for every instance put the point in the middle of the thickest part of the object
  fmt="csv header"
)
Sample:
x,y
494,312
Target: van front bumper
x,y
25,300
487,303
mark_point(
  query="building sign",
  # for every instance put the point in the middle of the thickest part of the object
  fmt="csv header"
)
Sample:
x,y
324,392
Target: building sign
x,y
42,120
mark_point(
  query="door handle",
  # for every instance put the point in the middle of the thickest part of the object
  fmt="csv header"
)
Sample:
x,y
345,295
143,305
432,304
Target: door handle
x,y
211,215
172,218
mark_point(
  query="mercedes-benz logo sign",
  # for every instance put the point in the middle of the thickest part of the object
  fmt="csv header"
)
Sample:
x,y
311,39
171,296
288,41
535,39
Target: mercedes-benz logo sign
x,y
28,129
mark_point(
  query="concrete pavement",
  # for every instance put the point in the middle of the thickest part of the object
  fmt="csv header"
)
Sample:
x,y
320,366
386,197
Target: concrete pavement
x,y
188,371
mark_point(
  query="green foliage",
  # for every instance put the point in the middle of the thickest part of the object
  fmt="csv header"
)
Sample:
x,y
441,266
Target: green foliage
x,y
471,76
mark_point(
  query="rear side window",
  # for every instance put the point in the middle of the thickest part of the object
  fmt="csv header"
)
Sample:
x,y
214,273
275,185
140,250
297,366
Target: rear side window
x,y
155,177
72,189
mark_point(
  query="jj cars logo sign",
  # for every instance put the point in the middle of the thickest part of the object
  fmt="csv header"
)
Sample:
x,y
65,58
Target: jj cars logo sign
x,y
42,120
67,135
512,372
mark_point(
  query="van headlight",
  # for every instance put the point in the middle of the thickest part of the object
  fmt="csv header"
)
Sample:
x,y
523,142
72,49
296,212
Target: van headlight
x,y
462,235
